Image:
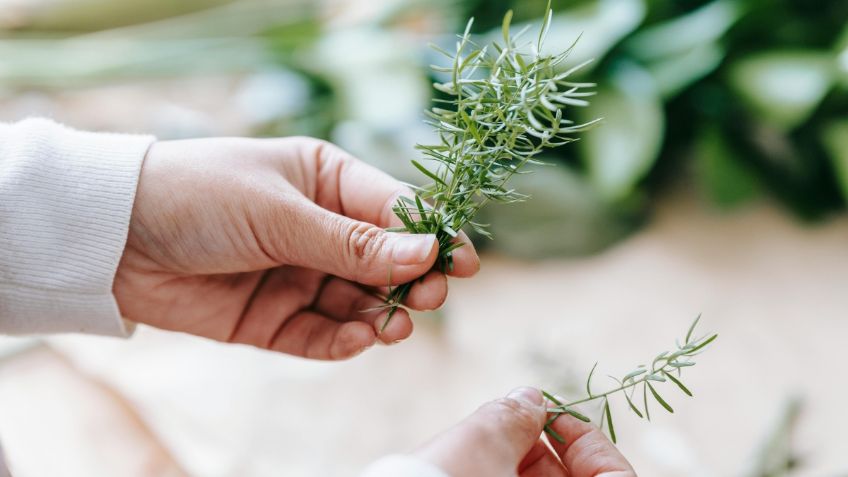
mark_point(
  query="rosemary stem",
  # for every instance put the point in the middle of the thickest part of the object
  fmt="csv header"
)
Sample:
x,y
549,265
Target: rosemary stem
x,y
633,383
596,396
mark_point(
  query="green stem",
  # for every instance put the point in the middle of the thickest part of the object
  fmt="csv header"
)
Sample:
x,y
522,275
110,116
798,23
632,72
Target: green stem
x,y
623,387
399,293
394,300
596,396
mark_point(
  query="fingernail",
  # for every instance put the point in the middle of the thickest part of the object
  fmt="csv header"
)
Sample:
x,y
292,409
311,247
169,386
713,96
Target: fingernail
x,y
526,394
411,249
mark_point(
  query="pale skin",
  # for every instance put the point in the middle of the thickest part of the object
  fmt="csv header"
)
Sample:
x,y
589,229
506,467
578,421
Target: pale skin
x,y
503,438
274,243
280,244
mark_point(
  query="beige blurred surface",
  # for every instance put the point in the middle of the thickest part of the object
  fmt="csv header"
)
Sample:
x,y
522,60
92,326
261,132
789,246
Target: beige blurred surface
x,y
774,290
55,421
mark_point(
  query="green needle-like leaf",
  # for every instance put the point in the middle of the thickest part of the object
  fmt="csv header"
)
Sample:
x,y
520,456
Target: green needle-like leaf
x,y
609,421
427,173
551,432
633,406
678,383
572,412
692,328
550,397
659,398
589,379
505,27
702,345
645,400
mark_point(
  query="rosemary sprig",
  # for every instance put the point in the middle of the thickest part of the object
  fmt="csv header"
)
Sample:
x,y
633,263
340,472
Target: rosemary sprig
x,y
662,369
502,105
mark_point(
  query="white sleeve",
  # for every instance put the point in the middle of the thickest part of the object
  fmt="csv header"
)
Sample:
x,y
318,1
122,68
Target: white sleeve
x,y
402,466
65,203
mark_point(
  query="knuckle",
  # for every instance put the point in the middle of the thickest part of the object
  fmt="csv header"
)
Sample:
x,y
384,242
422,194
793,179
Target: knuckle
x,y
364,240
324,151
315,142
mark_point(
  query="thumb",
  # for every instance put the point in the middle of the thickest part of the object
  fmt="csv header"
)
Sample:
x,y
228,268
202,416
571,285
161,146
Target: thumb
x,y
492,441
358,251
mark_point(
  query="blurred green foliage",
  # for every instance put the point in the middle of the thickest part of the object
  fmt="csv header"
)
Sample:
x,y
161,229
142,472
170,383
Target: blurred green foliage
x,y
746,97
743,98
750,92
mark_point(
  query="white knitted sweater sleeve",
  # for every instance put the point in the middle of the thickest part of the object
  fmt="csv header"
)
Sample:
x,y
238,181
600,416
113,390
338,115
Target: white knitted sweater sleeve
x,y
65,203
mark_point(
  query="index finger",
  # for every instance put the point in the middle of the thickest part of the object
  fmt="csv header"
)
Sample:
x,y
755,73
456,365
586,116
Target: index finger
x,y
587,452
360,191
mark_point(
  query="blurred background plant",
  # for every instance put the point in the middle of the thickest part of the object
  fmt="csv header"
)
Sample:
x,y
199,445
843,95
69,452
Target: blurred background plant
x,y
738,98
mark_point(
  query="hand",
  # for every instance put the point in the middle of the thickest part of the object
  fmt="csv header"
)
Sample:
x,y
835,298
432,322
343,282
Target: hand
x,y
273,243
503,438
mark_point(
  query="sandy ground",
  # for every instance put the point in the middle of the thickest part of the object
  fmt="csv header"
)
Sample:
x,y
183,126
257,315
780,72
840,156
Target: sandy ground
x,y
168,404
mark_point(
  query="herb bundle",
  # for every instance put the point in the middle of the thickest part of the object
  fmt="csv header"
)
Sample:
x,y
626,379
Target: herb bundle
x,y
662,369
502,104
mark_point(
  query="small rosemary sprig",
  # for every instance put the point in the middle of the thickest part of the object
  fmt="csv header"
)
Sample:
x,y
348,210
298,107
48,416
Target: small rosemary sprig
x,y
662,369
502,105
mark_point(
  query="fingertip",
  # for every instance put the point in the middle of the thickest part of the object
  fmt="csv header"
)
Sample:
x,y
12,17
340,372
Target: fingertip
x,y
510,424
413,249
398,329
493,440
586,450
406,258
528,395
466,262
352,338
428,293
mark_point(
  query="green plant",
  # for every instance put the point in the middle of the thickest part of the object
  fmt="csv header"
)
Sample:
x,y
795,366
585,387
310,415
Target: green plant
x,y
662,369
709,82
502,105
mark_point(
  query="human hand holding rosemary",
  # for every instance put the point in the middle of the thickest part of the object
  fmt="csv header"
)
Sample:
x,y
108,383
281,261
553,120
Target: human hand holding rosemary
x,y
275,243
503,437
503,105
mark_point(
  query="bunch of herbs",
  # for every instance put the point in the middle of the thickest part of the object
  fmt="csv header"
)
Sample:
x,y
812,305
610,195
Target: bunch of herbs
x,y
502,104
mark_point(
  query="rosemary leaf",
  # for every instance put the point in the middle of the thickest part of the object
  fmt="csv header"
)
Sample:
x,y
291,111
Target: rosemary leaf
x,y
678,383
609,421
659,398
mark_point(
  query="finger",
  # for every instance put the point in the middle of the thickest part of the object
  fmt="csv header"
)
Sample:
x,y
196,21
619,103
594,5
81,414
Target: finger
x,y
587,452
353,188
536,452
427,293
315,336
466,263
493,440
341,300
279,294
541,462
358,251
